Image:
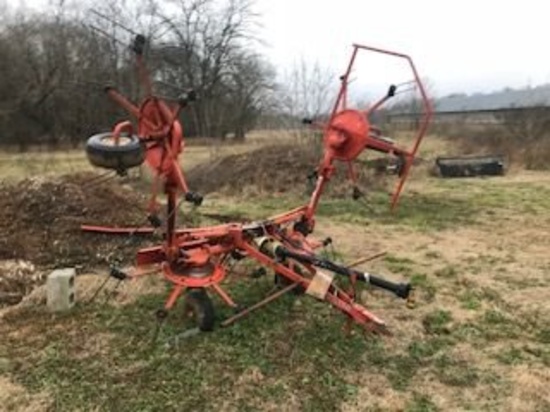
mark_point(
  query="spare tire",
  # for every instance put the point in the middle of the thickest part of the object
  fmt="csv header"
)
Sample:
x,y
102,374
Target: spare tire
x,y
103,152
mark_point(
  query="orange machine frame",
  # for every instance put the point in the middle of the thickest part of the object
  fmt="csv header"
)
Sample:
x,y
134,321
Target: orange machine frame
x,y
198,257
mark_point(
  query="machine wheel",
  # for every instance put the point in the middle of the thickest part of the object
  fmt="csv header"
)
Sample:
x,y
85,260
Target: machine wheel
x,y
102,151
199,305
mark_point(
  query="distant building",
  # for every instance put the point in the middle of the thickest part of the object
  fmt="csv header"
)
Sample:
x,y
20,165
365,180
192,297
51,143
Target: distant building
x,y
476,108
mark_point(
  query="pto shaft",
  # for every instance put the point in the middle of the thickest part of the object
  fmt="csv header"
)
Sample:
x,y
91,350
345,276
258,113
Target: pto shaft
x,y
401,290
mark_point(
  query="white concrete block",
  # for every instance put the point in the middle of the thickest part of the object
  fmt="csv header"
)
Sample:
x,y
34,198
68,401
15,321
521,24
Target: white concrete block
x,y
61,290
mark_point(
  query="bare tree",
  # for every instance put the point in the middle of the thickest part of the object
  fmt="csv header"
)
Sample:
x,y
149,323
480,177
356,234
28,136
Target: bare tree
x,y
304,90
249,91
51,90
205,48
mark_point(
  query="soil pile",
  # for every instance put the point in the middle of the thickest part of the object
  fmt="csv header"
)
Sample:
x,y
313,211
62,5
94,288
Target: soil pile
x,y
280,169
40,221
17,279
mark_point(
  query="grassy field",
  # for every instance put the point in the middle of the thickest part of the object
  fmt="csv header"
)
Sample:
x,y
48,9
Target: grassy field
x,y
15,165
477,339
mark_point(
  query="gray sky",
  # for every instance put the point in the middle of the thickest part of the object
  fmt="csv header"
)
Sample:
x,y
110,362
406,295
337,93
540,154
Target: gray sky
x,y
461,46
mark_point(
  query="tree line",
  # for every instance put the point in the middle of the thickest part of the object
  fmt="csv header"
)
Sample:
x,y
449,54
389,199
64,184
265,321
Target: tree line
x,y
55,66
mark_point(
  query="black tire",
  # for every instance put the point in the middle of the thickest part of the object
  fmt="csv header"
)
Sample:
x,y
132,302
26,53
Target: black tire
x,y
103,153
200,305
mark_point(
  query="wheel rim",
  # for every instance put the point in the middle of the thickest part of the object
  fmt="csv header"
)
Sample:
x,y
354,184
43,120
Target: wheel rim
x,y
110,141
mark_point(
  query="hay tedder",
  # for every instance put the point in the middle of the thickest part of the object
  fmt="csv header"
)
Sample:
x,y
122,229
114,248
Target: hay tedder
x,y
197,260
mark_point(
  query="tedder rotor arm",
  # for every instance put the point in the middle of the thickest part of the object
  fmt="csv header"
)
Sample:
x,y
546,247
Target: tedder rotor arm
x,y
428,111
391,92
348,132
201,258
138,47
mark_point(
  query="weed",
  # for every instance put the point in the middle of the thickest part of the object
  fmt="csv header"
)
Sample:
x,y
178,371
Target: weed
x,y
432,254
490,295
422,282
421,403
543,335
446,272
455,372
398,264
401,370
470,300
437,322
495,317
497,325
422,350
542,353
512,356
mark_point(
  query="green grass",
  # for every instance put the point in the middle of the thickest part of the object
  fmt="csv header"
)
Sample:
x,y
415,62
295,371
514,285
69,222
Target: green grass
x,y
446,272
460,205
420,211
423,283
18,165
445,204
543,335
437,322
421,403
494,194
399,265
431,254
293,346
470,300
511,356
456,372
423,350
293,352
15,166
288,347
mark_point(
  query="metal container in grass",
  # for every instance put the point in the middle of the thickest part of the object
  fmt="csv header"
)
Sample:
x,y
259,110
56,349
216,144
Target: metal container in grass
x,y
469,166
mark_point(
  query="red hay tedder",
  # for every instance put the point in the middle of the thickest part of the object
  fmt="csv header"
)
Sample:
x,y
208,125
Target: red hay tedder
x,y
197,260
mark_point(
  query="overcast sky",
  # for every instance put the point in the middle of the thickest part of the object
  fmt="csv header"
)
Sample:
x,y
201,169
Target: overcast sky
x,y
461,46
464,45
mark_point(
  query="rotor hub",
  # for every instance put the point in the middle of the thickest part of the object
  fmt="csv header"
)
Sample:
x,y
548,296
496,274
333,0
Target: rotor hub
x,y
347,134
197,272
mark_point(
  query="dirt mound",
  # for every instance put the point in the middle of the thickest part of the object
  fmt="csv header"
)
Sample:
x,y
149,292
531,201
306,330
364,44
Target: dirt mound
x,y
17,279
40,221
278,169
